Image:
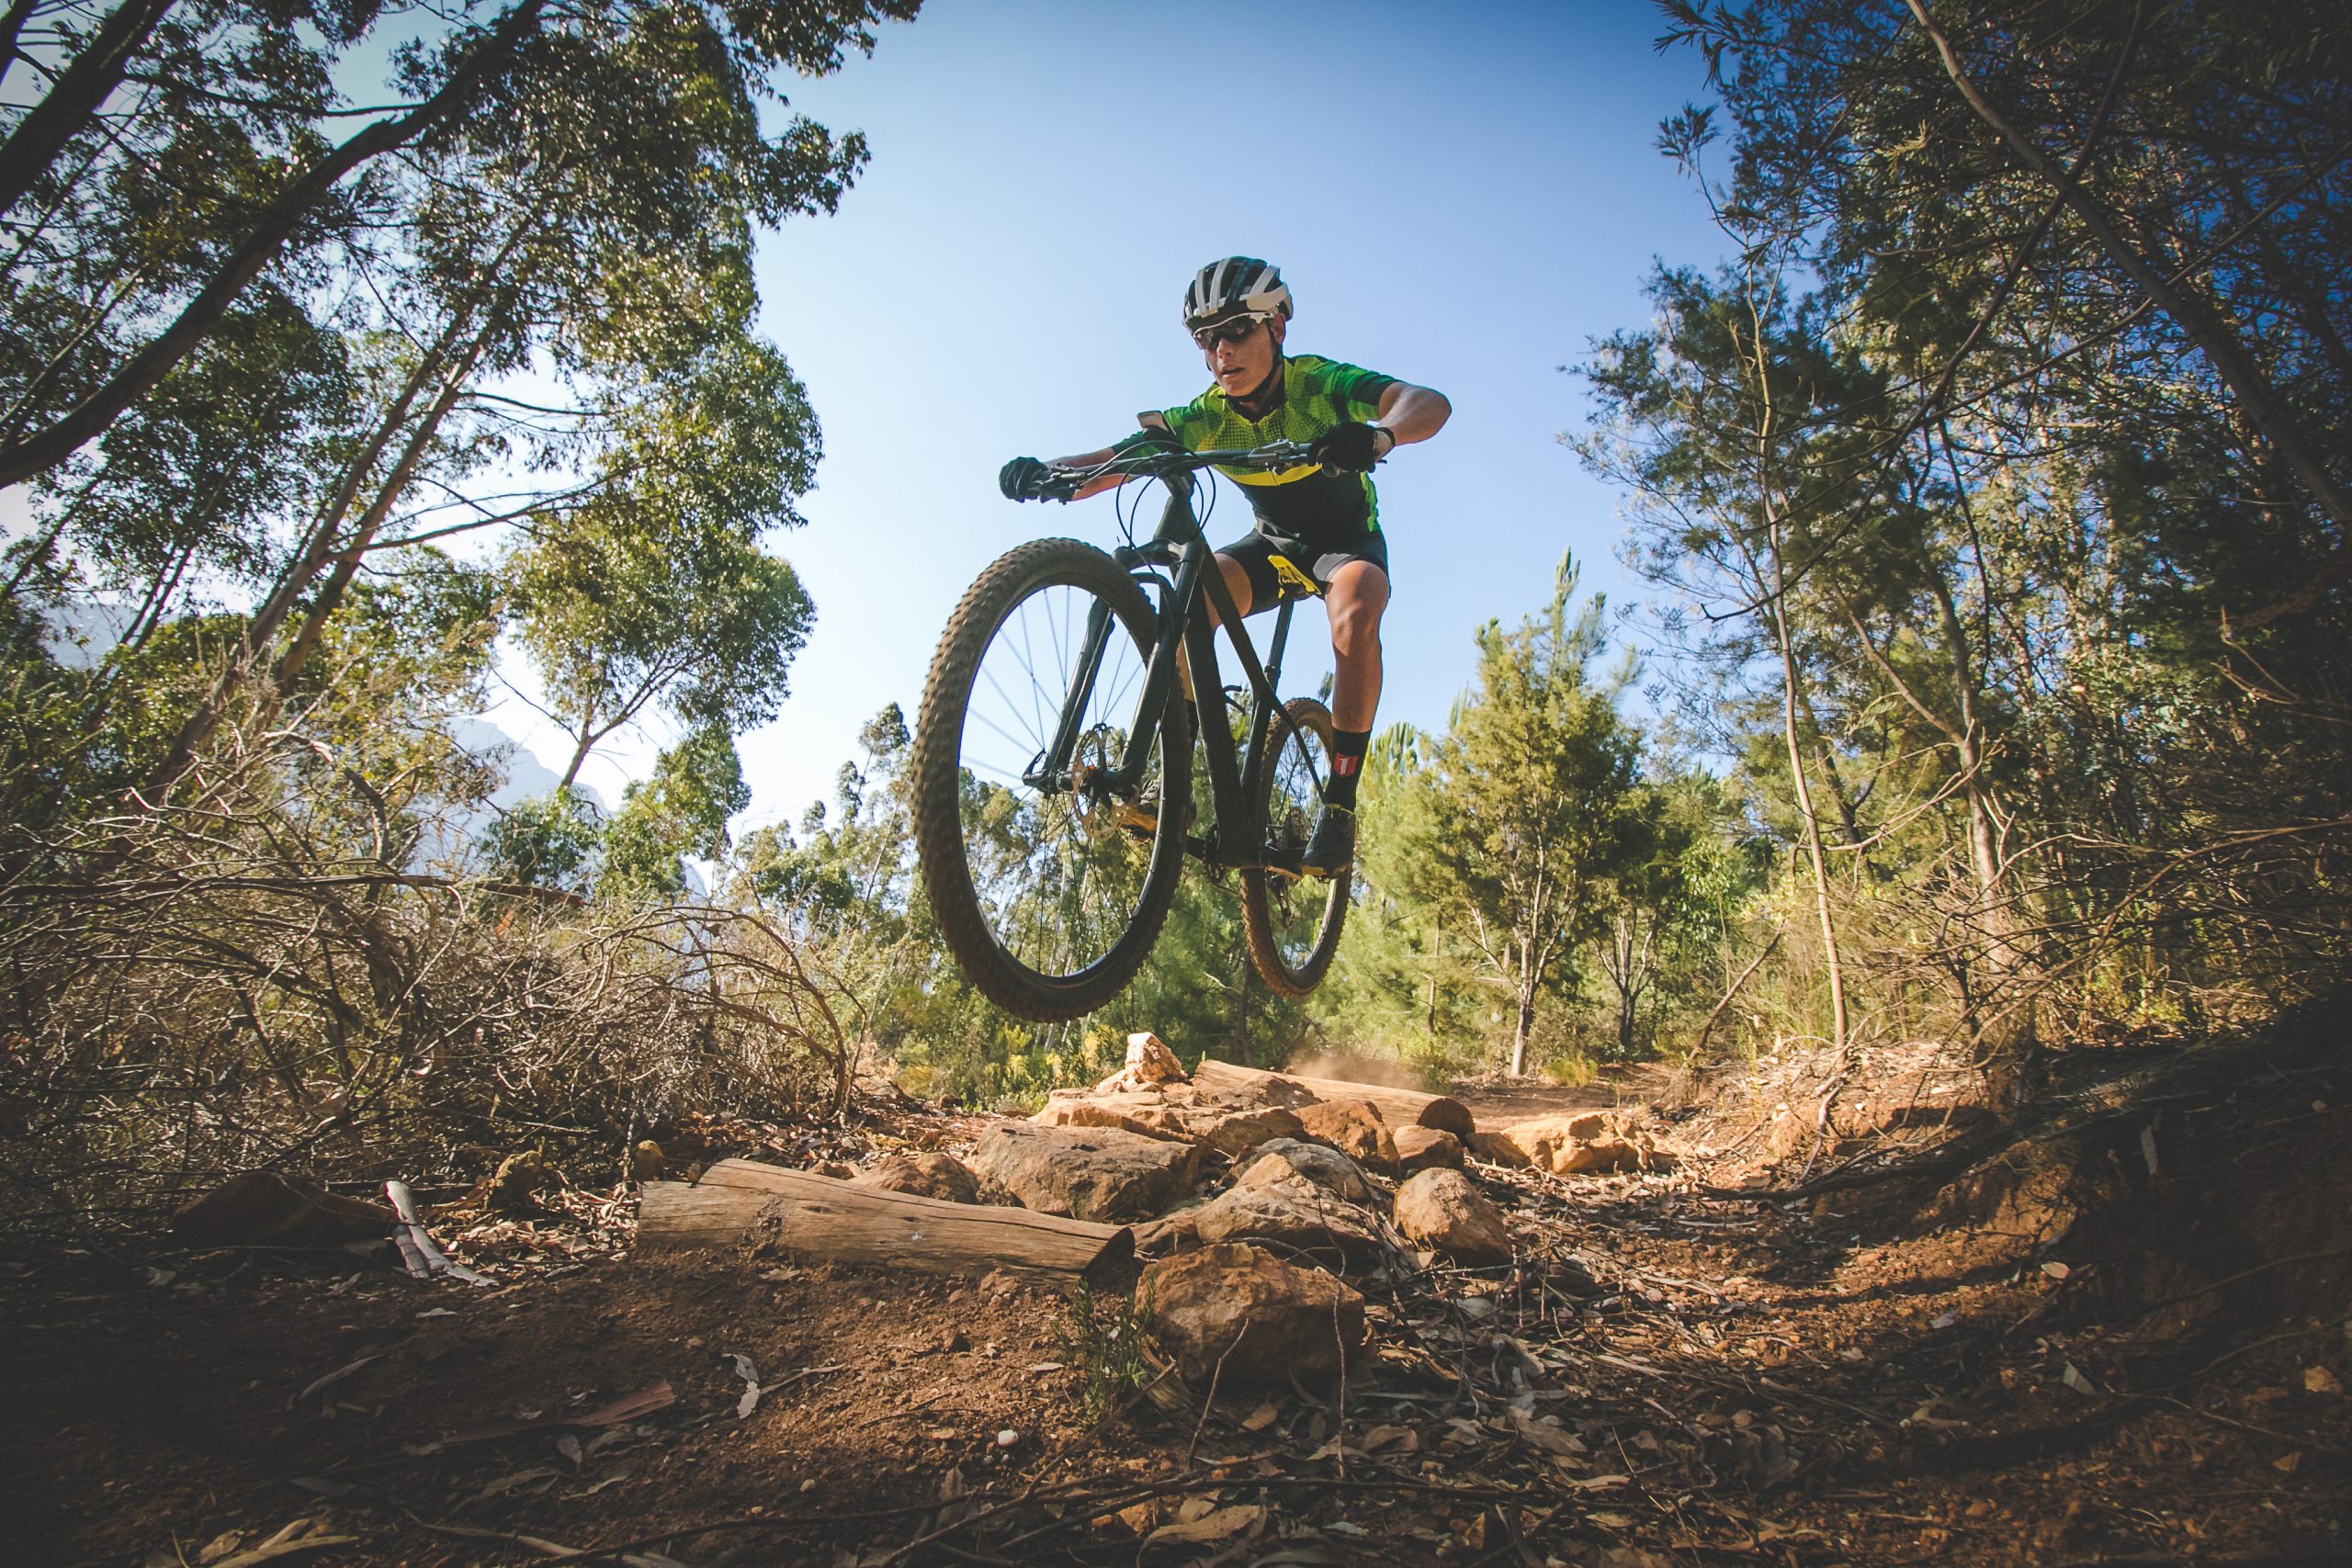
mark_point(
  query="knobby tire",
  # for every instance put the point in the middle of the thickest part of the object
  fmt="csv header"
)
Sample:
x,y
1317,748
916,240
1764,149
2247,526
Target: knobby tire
x,y
1016,987
1261,889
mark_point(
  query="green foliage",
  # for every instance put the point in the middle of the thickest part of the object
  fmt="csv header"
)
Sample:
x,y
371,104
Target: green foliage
x,y
1532,805
682,809
549,841
1102,1341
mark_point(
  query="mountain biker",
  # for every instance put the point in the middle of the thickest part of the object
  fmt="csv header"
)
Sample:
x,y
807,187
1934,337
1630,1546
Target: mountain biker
x,y
1317,525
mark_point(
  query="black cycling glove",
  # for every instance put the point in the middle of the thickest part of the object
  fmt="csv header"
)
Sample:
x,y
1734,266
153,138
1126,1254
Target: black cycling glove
x,y
1025,479
1351,445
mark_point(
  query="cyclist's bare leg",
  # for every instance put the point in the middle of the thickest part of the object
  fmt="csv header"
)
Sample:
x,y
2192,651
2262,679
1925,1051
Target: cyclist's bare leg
x,y
1355,599
1236,583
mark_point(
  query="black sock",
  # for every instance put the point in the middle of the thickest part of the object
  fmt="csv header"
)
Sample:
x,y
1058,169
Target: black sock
x,y
1347,766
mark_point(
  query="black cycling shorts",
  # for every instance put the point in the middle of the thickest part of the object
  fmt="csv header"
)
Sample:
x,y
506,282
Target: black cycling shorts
x,y
1305,569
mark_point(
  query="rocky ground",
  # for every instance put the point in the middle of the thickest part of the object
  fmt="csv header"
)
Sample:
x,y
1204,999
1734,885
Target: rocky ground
x,y
1796,1311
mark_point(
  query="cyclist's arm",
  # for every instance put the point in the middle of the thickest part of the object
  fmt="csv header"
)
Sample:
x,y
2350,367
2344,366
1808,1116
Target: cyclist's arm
x,y
1090,460
1411,413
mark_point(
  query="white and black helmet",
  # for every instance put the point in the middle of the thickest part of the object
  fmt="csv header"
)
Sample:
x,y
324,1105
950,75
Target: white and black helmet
x,y
1238,285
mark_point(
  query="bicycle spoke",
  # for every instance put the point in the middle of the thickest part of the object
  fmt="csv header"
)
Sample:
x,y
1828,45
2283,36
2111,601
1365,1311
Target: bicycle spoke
x,y
1057,883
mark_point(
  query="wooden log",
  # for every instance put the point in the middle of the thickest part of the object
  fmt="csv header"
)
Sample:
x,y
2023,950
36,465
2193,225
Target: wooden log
x,y
817,1216
1398,1107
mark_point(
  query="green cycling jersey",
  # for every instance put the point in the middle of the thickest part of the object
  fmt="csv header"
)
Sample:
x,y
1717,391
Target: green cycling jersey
x,y
1309,501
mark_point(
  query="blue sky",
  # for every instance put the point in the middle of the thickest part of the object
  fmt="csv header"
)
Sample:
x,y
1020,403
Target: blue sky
x,y
1463,196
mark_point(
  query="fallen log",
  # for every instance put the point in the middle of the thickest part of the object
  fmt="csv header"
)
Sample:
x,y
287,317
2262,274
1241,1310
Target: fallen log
x,y
817,1216
1398,1107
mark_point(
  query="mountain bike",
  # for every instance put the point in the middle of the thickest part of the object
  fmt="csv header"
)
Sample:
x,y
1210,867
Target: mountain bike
x,y
1054,798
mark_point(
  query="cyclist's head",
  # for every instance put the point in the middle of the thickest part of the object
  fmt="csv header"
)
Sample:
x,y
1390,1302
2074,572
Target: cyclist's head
x,y
1237,310
1235,286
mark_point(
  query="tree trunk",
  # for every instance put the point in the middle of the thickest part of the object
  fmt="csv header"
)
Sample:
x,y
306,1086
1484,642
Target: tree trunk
x,y
1525,1023
346,563
1804,801
73,100
817,1216
44,449
2260,402
587,743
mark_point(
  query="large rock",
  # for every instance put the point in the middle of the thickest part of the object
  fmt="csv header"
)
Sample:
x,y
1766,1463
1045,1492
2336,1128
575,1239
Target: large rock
x,y
1236,1132
1242,1318
1494,1147
1444,1211
1354,1128
262,1208
1285,1208
1278,1158
928,1175
1448,1115
1427,1148
1573,1144
1151,1121
1103,1173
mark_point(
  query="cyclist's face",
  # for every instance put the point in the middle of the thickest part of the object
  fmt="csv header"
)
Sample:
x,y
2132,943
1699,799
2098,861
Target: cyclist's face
x,y
1241,365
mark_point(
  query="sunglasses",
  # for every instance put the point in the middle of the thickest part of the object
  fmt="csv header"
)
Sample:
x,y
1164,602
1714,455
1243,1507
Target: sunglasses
x,y
1234,331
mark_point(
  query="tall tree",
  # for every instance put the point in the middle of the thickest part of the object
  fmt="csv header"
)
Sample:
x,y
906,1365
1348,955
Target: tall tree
x,y
1532,802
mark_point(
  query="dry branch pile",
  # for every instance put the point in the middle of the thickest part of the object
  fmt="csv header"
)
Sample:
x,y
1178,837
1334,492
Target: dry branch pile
x,y
257,979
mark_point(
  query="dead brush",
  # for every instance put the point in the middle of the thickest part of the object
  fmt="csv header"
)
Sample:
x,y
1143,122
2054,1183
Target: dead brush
x,y
260,978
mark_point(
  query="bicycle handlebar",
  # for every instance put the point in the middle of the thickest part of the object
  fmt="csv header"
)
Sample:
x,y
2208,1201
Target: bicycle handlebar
x,y
1157,462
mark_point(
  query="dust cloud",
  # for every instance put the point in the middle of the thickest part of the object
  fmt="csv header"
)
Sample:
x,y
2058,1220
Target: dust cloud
x,y
1383,1072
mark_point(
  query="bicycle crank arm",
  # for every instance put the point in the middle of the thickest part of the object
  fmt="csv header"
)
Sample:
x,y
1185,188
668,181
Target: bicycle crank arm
x,y
1284,863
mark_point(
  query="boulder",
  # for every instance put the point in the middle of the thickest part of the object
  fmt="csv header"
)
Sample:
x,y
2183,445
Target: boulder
x,y
1236,1132
1150,1064
1287,1209
1444,1211
1327,1169
1151,1121
1062,1103
262,1208
1151,1061
1448,1115
1354,1128
1495,1148
1573,1144
939,1176
1104,1173
1427,1148
1243,1318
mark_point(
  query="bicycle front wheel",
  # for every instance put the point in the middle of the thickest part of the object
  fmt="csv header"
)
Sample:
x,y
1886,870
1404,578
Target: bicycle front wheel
x,y
1292,922
1049,892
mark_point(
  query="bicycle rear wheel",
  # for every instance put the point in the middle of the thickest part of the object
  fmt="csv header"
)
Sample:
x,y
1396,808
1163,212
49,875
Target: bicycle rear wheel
x,y
1049,895
1292,922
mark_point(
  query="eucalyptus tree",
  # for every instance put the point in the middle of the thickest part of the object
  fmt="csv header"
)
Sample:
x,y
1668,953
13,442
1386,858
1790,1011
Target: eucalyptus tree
x,y
681,808
181,154
586,234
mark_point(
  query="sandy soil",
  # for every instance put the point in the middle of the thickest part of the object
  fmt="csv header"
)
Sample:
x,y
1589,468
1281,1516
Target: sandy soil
x,y
2034,1353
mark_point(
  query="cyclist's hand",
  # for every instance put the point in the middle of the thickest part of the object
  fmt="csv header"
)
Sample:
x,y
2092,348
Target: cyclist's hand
x,y
1351,445
1025,479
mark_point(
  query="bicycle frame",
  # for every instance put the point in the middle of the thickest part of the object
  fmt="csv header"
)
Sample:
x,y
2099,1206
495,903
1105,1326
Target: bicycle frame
x,y
1186,646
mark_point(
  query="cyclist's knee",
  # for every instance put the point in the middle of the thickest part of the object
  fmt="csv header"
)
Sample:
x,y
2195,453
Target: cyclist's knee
x,y
1359,594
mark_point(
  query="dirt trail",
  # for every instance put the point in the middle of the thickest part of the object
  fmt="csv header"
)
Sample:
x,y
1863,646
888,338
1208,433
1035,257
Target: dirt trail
x,y
2011,1368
